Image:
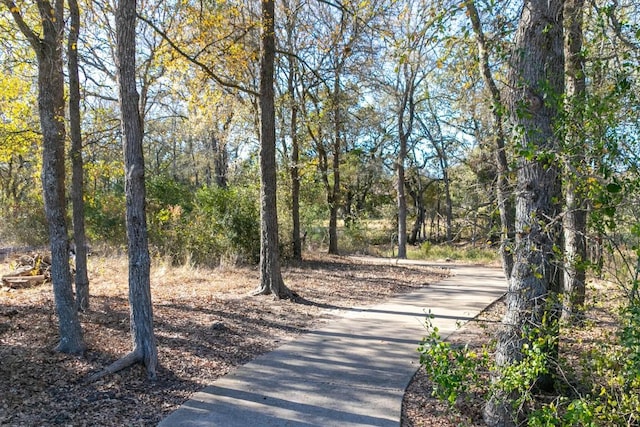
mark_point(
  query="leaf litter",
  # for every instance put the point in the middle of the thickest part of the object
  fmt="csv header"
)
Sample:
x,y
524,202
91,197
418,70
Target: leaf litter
x,y
206,325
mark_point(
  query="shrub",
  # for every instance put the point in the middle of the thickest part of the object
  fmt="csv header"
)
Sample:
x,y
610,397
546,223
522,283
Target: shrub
x,y
105,217
453,370
609,394
168,206
25,223
224,223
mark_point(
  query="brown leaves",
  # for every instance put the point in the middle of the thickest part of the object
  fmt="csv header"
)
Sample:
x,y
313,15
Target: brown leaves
x,y
205,325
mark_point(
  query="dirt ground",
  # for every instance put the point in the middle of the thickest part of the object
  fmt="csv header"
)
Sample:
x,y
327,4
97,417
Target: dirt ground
x,y
205,321
206,324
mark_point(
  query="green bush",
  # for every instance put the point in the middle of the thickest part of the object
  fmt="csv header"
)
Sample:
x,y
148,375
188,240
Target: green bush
x,y
163,192
105,217
614,395
609,395
169,204
453,370
224,223
25,223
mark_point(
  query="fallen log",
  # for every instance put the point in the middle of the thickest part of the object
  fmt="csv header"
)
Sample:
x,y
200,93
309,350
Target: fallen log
x,y
30,270
20,281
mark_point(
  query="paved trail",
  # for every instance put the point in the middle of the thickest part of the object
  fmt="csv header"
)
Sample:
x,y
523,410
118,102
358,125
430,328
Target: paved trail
x,y
352,371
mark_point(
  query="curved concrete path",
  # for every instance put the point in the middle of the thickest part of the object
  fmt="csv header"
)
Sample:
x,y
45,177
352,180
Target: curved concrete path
x,y
352,371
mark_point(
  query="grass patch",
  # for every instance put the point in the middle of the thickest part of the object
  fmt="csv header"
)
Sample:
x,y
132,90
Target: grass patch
x,y
461,253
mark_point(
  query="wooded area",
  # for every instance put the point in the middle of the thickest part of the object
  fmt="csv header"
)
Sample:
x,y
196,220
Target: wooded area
x,y
238,132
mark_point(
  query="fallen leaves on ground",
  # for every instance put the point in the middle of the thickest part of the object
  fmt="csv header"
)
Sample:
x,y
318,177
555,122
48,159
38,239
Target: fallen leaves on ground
x,y
206,325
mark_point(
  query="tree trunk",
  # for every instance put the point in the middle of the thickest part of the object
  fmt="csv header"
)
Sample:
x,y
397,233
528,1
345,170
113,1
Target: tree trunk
x,y
77,166
144,344
48,51
575,219
295,182
447,196
334,199
402,200
503,190
536,85
417,193
51,106
417,225
294,170
405,117
270,275
220,153
403,136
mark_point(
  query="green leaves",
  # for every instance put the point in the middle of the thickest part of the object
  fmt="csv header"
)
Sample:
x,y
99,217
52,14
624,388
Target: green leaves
x,y
614,187
18,120
453,370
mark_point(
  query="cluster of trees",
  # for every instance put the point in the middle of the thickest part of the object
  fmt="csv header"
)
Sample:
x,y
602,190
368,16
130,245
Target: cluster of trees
x,y
506,121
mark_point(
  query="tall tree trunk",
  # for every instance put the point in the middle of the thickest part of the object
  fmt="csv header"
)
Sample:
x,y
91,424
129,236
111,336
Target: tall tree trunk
x,y
334,197
48,51
144,343
77,166
405,117
402,199
536,84
295,171
505,205
220,160
417,193
51,106
447,196
270,275
575,219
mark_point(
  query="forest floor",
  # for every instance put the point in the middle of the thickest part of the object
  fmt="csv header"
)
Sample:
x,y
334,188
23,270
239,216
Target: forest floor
x,y
206,324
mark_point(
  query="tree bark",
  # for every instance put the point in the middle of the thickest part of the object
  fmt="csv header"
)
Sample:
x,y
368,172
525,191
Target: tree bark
x,y
270,275
334,196
141,311
77,166
536,84
401,199
220,158
417,193
575,219
294,170
48,51
503,190
448,200
406,108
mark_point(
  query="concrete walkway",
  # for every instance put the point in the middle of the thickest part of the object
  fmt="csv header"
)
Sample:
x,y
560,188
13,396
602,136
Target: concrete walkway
x,y
353,371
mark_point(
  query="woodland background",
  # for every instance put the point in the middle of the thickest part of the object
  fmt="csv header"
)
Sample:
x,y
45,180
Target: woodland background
x,y
380,127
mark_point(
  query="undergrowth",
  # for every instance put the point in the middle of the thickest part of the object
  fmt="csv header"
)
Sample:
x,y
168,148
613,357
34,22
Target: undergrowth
x,y
607,394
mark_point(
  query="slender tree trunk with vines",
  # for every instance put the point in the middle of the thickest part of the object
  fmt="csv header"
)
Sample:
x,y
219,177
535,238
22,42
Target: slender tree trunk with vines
x,y
503,190
575,219
536,80
77,164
